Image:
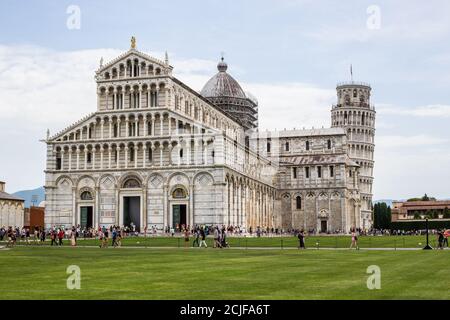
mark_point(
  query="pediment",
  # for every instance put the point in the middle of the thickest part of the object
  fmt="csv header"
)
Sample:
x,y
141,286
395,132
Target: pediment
x,y
107,71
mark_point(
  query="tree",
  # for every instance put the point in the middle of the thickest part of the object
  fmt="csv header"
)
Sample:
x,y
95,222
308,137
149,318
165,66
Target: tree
x,y
416,215
382,216
446,213
425,198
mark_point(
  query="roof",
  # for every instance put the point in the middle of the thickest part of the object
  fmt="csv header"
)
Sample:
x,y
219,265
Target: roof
x,y
223,85
308,132
7,196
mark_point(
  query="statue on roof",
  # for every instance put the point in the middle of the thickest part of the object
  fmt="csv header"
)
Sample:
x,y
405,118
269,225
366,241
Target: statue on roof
x,y
133,42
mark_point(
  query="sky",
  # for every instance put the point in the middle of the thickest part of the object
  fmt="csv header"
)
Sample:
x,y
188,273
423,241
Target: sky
x,y
290,54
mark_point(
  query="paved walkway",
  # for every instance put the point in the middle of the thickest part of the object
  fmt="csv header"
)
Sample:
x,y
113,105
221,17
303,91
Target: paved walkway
x,y
232,248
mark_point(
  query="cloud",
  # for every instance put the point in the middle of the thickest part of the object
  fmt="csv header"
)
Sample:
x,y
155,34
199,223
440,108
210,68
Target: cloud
x,y
416,141
437,110
42,88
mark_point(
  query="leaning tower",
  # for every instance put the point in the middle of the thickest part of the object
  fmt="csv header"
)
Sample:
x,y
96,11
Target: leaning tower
x,y
354,113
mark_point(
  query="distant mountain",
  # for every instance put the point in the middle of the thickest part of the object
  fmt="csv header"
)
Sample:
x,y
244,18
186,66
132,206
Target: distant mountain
x,y
27,195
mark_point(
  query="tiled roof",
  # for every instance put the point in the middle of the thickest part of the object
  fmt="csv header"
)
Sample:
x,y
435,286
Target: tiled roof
x,y
7,196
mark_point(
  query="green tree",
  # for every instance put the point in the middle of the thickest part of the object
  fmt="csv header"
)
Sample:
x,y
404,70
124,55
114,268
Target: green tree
x,y
446,213
382,216
416,215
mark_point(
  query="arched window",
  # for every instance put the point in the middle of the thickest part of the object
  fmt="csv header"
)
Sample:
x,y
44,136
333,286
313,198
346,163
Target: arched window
x,y
86,195
131,153
298,202
179,193
268,146
286,147
181,153
131,183
89,157
329,144
355,93
307,145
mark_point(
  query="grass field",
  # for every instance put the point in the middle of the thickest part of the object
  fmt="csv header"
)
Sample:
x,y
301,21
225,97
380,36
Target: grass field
x,y
143,273
278,242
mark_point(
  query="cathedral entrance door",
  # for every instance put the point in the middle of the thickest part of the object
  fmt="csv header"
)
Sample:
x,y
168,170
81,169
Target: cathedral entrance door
x,y
323,226
179,216
86,217
132,213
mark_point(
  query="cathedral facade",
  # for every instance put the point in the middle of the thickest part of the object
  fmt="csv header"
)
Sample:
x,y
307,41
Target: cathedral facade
x,y
158,153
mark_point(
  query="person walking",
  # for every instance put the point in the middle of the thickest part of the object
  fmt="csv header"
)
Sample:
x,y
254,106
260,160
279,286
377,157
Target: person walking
x,y
73,238
60,237
196,238
301,240
440,236
186,238
114,238
216,238
203,236
354,240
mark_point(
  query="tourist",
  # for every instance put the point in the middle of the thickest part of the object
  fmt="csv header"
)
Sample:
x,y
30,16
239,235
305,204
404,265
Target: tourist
x,y
440,236
446,235
60,236
354,240
119,237
186,237
216,237
53,237
301,240
196,238
42,236
223,239
105,238
203,236
73,238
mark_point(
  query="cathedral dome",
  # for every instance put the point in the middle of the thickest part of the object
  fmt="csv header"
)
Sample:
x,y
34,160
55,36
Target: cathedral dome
x,y
222,85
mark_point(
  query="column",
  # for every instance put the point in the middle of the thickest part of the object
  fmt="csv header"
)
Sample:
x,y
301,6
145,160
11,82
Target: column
x,y
118,127
78,158
70,159
144,156
85,157
152,150
135,155
101,157
162,124
102,122
188,152
74,206
161,147
110,128
93,158
62,158
145,126
126,157
127,127
153,126
109,157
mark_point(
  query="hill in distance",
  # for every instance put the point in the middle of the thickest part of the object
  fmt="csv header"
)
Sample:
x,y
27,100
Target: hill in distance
x,y
27,195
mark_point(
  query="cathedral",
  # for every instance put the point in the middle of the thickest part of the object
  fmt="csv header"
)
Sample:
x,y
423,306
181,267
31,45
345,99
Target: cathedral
x,y
156,153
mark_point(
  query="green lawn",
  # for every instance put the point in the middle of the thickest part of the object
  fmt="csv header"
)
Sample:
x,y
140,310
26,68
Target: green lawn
x,y
280,242
140,273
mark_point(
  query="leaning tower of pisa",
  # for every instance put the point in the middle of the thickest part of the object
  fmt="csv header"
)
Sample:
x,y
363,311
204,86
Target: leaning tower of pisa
x,y
356,115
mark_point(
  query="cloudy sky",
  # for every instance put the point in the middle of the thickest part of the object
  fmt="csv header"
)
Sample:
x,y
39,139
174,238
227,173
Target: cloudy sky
x,y
289,53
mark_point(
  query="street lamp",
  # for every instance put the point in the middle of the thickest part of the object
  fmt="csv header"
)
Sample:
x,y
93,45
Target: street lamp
x,y
427,247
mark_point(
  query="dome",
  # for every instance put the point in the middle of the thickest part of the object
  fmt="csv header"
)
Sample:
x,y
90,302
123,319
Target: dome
x,y
222,85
